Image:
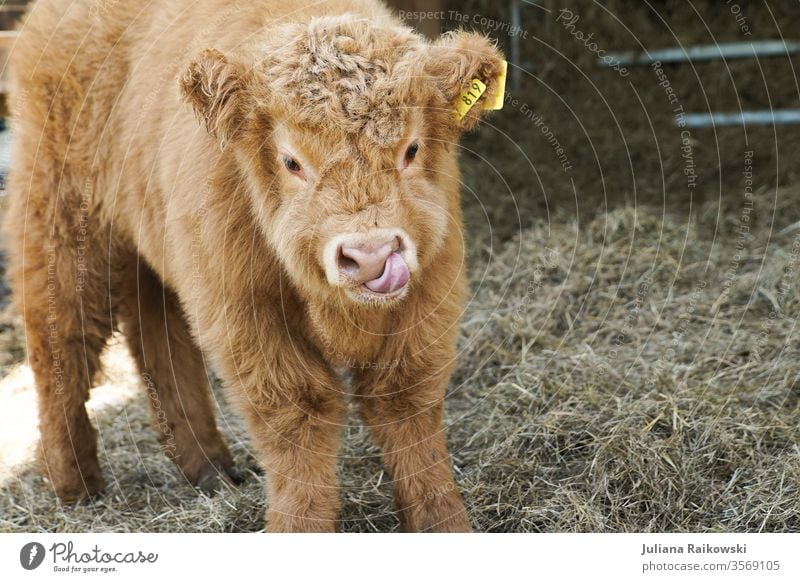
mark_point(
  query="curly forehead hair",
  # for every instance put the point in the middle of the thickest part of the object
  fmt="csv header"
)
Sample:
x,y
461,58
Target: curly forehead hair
x,y
348,74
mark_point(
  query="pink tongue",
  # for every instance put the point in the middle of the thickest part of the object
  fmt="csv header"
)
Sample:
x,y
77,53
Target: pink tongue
x,y
395,275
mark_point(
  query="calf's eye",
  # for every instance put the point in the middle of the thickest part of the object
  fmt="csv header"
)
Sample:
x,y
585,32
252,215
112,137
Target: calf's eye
x,y
292,165
411,153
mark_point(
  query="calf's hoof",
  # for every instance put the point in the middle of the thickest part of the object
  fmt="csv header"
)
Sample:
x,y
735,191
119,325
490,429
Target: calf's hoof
x,y
78,487
436,514
215,476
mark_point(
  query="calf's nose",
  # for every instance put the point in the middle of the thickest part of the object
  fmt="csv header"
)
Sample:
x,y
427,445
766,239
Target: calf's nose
x,y
366,261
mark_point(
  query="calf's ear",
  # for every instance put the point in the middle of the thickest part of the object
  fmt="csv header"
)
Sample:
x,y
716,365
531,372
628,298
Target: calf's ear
x,y
216,89
459,59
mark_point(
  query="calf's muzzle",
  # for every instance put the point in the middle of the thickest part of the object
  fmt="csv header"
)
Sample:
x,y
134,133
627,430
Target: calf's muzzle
x,y
381,260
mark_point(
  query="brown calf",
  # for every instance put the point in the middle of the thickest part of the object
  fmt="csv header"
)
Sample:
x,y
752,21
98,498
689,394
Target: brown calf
x,y
309,224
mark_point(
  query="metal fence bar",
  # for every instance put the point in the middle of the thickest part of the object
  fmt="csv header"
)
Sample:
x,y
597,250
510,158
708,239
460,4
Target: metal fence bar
x,y
765,117
516,24
732,50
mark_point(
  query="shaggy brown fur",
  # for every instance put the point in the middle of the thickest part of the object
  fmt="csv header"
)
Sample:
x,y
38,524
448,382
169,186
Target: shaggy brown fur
x,y
126,211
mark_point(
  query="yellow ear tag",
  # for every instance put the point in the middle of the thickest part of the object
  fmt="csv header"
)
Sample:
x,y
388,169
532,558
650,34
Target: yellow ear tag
x,y
499,95
477,88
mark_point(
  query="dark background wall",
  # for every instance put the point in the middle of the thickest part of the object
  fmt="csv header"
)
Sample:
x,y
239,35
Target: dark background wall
x,y
617,130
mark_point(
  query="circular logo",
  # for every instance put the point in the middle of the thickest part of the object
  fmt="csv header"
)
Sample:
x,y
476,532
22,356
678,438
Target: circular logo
x,y
31,555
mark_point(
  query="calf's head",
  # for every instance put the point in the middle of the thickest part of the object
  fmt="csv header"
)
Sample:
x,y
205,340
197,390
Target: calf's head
x,y
345,134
